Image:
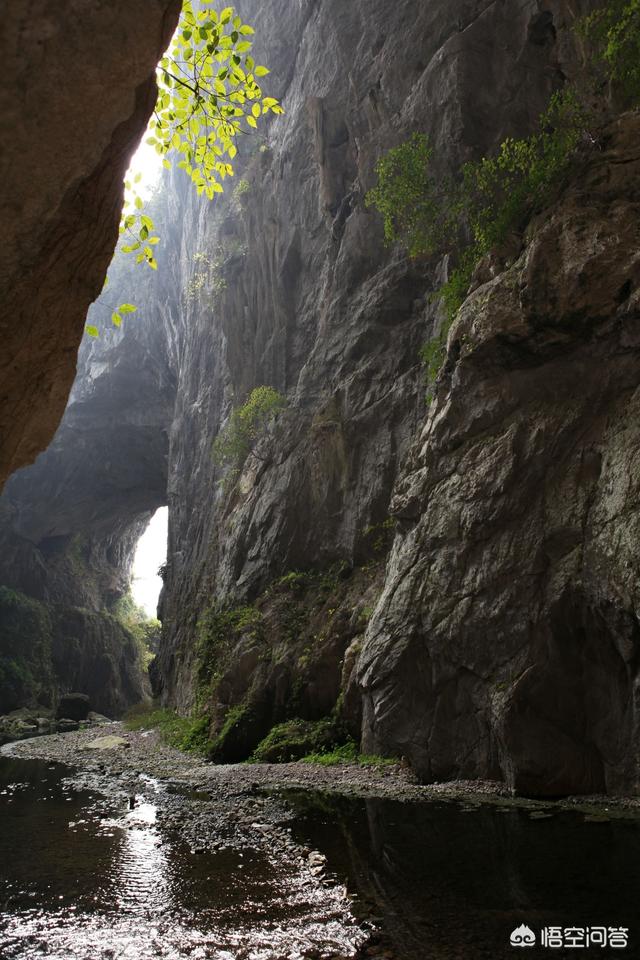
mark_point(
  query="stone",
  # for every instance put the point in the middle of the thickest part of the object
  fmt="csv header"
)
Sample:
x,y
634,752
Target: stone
x,y
108,743
73,706
97,719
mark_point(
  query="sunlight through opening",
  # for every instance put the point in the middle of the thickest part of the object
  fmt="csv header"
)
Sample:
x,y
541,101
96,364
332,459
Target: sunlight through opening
x,y
151,553
148,164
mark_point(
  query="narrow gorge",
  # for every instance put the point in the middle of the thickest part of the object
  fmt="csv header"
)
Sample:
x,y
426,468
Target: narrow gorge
x,y
433,566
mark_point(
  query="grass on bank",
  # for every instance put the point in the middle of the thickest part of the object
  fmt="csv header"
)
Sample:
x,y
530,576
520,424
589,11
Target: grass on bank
x,y
185,733
348,753
192,736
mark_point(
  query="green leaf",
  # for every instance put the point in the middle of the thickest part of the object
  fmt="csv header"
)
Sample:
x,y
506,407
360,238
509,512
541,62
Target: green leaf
x,y
92,331
116,319
127,308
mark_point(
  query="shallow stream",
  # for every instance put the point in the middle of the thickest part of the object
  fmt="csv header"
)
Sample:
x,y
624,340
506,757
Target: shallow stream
x,y
84,877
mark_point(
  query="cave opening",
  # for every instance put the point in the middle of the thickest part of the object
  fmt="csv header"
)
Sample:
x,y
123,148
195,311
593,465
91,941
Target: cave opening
x,y
150,556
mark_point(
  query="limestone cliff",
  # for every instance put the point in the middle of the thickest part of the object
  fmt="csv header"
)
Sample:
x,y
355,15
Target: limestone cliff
x,y
452,581
506,641
78,88
314,305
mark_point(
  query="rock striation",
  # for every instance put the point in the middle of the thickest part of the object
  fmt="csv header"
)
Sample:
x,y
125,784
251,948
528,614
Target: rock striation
x,y
78,89
313,304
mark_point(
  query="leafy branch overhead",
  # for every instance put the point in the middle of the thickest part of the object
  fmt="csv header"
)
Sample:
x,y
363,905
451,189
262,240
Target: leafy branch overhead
x,y
209,94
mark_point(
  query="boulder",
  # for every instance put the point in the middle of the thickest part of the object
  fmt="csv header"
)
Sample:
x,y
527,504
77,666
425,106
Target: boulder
x,y
73,706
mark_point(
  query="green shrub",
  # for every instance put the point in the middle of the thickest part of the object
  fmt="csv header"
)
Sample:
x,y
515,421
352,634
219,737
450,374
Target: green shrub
x,y
190,734
614,31
417,209
293,739
246,426
348,753
144,630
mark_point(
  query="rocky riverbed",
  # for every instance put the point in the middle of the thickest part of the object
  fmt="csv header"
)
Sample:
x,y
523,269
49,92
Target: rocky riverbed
x,y
114,758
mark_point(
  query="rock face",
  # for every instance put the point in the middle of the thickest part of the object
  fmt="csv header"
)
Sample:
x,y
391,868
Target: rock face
x,y
78,89
312,303
506,640
469,668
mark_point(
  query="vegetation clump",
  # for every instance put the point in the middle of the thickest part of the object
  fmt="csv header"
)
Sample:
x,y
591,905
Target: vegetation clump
x,y
294,739
217,628
144,630
614,31
348,753
246,427
190,734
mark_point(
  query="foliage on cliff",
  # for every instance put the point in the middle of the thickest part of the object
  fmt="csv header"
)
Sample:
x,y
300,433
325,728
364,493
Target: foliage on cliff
x,y
25,651
615,32
474,212
246,427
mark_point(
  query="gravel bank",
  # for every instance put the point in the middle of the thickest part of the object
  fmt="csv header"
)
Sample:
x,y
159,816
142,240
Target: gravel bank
x,y
142,754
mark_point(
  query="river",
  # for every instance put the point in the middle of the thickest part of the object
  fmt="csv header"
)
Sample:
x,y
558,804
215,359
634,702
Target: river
x,y
85,876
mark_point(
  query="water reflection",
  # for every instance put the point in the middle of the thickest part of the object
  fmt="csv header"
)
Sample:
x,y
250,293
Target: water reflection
x,y
81,881
444,881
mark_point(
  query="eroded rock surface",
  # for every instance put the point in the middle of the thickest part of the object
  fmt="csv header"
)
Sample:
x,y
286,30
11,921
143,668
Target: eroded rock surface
x,y
314,305
506,640
78,89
